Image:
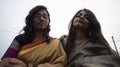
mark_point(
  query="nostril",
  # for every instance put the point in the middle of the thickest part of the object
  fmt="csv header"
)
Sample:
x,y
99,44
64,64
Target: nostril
x,y
41,20
81,17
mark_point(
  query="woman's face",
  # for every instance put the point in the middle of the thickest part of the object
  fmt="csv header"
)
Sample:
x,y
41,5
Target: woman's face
x,y
41,20
81,20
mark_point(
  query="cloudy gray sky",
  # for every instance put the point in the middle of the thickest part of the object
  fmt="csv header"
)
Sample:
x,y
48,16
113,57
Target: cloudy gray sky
x,y
13,13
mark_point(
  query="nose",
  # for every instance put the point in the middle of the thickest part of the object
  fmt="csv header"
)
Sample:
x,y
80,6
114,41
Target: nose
x,y
41,18
82,16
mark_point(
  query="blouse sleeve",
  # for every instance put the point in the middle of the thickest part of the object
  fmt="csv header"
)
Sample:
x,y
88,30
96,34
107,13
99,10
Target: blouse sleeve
x,y
13,49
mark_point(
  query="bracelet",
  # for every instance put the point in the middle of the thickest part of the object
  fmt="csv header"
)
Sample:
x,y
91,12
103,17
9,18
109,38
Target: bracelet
x,y
29,65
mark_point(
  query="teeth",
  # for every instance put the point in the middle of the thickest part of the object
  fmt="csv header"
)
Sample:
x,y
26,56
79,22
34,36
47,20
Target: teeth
x,y
81,21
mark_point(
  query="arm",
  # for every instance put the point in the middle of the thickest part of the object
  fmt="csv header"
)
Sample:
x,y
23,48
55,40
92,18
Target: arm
x,y
63,40
12,51
14,48
12,62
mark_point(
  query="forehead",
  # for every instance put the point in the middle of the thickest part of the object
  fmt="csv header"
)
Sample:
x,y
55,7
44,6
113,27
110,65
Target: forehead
x,y
42,12
82,12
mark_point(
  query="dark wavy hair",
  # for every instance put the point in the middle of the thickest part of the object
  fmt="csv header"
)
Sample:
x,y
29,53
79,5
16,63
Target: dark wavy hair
x,y
29,33
93,32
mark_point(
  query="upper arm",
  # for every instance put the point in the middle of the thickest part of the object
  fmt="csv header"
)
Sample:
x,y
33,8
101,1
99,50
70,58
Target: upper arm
x,y
12,50
63,40
15,45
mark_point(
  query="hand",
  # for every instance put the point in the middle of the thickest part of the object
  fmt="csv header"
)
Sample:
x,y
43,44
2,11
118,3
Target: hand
x,y
4,62
16,63
12,62
46,65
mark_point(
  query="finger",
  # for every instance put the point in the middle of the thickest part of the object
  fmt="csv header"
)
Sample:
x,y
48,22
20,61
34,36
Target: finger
x,y
15,66
15,61
41,65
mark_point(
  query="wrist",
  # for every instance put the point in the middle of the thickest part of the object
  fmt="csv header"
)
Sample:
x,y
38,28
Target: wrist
x,y
29,65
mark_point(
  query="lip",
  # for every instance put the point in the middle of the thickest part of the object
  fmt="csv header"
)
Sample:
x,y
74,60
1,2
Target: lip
x,y
82,21
40,23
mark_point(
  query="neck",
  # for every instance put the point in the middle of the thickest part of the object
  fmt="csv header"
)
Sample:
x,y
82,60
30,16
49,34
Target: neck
x,y
39,35
80,35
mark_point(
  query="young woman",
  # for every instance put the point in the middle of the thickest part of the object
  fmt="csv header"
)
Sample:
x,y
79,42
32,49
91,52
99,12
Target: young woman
x,y
35,48
85,44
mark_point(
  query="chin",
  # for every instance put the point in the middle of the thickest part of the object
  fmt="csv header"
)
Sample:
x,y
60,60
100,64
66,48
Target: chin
x,y
42,29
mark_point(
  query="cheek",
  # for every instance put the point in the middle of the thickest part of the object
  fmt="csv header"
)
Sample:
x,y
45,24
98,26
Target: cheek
x,y
75,21
47,22
87,24
34,21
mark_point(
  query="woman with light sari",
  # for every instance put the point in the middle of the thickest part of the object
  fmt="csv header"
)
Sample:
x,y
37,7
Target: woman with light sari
x,y
85,44
34,47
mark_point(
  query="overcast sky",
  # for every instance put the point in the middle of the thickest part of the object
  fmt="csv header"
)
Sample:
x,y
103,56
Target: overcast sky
x,y
13,13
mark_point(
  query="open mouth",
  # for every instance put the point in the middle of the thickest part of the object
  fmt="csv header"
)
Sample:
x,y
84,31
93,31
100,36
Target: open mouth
x,y
81,21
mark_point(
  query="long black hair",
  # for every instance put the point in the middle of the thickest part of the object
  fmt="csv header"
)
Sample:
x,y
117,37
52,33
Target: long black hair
x,y
29,32
93,32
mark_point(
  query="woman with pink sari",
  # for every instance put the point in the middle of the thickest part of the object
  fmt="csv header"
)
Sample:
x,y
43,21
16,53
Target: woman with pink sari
x,y
34,47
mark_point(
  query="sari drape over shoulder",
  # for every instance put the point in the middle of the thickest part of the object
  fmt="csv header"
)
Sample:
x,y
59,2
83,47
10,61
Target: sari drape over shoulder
x,y
88,54
41,52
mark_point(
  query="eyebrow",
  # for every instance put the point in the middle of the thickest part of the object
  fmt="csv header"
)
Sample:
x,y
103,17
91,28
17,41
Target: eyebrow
x,y
40,14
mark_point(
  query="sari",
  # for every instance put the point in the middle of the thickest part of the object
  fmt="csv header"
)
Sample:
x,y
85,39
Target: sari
x,y
88,54
41,52
38,52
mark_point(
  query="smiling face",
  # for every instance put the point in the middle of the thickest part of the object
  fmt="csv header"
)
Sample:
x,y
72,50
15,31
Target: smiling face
x,y
41,20
81,21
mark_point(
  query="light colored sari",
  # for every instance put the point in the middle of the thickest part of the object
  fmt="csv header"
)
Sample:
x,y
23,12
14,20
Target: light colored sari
x,y
41,52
